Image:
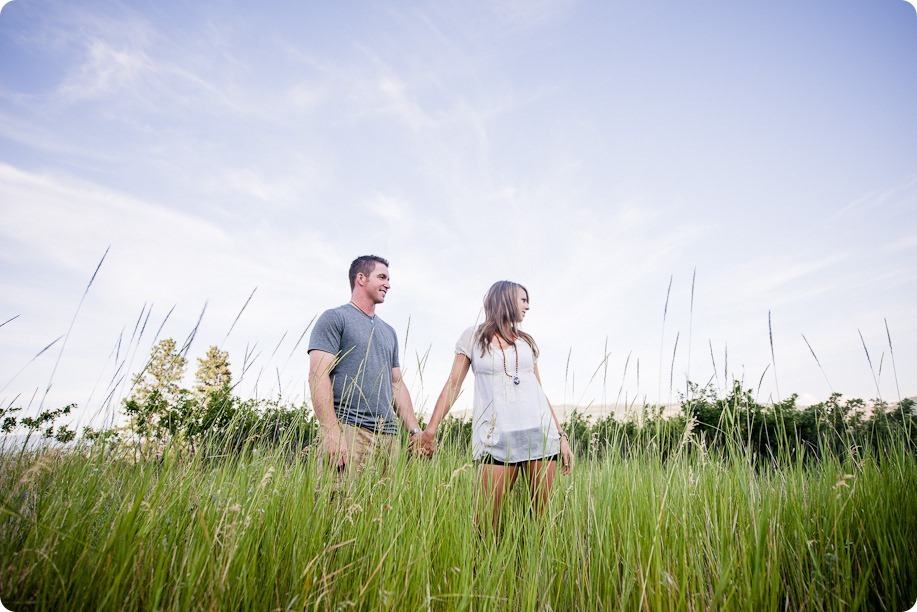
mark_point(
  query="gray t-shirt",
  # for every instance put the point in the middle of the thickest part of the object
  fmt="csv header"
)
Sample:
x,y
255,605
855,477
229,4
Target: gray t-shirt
x,y
366,350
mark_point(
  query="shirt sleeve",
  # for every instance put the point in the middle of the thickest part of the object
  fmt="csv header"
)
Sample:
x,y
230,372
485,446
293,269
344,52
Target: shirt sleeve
x,y
395,361
465,344
327,333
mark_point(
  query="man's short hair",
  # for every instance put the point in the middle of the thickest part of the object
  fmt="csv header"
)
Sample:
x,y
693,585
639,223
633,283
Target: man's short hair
x,y
364,264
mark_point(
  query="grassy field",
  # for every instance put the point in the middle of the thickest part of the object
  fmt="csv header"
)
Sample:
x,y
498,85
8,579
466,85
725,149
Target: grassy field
x,y
264,531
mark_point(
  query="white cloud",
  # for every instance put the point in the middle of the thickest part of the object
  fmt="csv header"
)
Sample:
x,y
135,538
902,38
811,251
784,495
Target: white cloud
x,y
59,219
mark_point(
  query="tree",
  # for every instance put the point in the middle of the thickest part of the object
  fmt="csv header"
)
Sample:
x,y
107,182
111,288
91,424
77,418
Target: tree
x,y
156,388
163,372
212,373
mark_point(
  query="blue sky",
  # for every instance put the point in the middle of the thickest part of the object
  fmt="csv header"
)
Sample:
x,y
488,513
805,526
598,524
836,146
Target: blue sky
x,y
590,150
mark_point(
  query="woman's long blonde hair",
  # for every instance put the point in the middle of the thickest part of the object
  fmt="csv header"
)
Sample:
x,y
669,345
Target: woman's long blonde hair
x,y
501,314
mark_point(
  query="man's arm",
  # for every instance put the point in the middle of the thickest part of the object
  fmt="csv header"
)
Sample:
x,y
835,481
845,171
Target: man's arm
x,y
322,390
404,407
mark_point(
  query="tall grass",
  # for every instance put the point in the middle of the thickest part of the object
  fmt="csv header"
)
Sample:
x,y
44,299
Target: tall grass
x,y
660,514
264,529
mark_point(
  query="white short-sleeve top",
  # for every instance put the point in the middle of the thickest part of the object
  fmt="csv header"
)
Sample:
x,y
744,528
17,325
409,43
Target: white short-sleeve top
x,y
510,422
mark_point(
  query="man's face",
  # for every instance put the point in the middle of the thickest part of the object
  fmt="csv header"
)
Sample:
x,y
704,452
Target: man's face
x,y
376,284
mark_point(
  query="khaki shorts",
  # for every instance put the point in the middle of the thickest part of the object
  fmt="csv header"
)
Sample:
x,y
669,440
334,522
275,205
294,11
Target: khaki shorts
x,y
364,449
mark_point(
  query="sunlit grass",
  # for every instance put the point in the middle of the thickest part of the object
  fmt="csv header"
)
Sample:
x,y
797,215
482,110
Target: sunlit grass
x,y
266,530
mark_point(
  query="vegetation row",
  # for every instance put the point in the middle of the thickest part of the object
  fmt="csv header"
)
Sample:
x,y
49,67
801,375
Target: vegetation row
x,y
160,412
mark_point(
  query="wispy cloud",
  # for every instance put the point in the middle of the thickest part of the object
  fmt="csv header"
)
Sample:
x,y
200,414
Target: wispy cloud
x,y
127,71
880,197
522,13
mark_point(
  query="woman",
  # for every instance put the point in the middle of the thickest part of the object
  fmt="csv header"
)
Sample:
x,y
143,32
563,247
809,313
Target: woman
x,y
514,426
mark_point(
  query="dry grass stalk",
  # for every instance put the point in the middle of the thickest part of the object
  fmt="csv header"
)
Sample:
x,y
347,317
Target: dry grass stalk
x,y
770,334
871,369
892,353
811,350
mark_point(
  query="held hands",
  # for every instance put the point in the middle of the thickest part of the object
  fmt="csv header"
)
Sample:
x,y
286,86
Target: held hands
x,y
428,443
414,444
566,457
423,443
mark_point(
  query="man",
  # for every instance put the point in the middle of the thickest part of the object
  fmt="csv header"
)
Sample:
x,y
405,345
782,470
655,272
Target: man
x,y
355,375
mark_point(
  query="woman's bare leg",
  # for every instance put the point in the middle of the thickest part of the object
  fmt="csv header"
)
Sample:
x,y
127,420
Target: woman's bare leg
x,y
494,482
539,476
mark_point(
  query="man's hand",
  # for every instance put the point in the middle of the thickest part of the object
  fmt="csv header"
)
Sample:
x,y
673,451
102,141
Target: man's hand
x,y
414,444
335,447
428,442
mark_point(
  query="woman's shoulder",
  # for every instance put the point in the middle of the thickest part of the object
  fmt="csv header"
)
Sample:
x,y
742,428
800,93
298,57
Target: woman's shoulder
x,y
467,340
473,330
470,334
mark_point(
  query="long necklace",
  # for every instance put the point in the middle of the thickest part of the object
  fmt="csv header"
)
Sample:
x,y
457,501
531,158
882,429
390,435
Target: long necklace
x,y
515,378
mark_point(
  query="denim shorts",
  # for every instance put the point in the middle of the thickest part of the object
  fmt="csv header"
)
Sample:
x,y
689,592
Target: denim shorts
x,y
489,460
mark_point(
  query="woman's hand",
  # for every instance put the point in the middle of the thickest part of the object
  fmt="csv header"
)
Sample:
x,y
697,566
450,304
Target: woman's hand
x,y
566,456
428,442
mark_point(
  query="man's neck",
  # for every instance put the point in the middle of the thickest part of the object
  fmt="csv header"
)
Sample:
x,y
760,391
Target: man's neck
x,y
367,306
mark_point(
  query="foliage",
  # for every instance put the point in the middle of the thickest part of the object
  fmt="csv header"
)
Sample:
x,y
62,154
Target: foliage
x,y
737,423
44,423
785,431
163,413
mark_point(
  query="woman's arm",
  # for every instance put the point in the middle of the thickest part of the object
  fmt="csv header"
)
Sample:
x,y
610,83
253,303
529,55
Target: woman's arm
x,y
447,397
566,455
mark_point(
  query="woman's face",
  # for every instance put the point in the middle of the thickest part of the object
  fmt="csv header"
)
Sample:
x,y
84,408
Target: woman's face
x,y
522,303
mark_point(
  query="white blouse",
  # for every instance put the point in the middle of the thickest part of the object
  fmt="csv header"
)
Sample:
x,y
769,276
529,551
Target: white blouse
x,y
510,422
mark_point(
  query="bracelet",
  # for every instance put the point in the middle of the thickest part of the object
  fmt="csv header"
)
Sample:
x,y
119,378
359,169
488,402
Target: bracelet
x,y
414,432
563,434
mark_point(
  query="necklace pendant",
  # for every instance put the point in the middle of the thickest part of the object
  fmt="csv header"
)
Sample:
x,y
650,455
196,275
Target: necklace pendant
x,y
516,380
